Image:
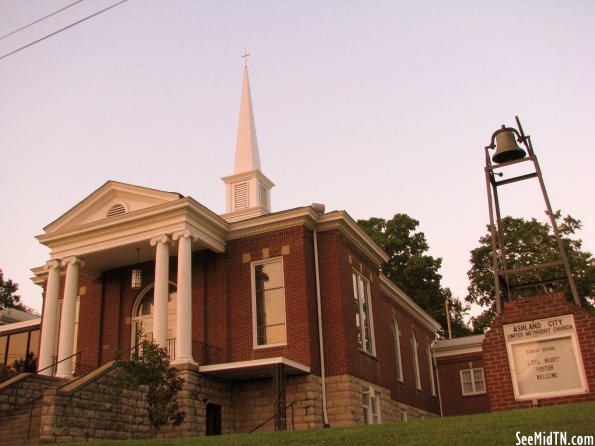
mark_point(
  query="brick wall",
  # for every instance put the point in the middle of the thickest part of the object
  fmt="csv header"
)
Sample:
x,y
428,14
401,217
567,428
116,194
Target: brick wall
x,y
222,311
293,245
453,401
405,390
338,259
497,369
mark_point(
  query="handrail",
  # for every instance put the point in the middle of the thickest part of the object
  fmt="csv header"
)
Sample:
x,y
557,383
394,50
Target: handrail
x,y
271,418
55,363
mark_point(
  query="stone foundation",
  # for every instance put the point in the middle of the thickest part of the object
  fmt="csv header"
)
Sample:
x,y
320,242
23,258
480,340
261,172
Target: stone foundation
x,y
96,408
253,403
344,403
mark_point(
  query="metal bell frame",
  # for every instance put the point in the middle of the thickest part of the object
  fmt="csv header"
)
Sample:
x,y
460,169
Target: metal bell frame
x,y
501,277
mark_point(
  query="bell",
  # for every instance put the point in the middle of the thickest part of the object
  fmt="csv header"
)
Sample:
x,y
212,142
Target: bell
x,y
506,147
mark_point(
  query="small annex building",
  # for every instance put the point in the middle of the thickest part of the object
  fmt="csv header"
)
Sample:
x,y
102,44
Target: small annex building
x,y
275,319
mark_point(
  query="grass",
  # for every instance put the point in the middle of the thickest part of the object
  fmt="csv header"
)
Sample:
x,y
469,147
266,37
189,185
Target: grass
x,y
477,430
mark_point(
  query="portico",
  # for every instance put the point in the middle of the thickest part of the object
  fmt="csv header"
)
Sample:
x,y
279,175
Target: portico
x,y
90,239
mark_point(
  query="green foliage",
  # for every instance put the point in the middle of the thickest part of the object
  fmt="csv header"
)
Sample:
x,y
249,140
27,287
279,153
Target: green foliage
x,y
25,365
529,242
6,372
9,298
413,270
150,367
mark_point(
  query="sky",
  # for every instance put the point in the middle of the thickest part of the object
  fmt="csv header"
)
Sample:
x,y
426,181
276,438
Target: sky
x,y
373,107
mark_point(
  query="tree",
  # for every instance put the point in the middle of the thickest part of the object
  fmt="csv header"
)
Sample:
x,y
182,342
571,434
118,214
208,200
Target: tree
x,y
8,298
530,242
150,367
413,270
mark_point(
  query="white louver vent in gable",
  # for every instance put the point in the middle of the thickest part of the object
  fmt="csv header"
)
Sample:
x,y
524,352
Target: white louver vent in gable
x,y
241,196
116,209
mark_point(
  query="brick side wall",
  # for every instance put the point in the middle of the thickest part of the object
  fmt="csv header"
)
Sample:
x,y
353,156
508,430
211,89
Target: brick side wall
x,y
453,401
497,370
405,390
294,246
338,259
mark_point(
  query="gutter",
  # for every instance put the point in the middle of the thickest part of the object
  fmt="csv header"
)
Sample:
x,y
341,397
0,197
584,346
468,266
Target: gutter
x,y
320,210
434,342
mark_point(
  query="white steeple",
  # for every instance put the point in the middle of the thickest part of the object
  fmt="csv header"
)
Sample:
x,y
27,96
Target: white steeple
x,y
248,190
247,156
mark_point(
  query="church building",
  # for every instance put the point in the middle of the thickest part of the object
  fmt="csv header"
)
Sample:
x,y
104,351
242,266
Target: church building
x,y
276,320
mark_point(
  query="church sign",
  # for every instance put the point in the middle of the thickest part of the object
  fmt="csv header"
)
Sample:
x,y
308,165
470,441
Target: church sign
x,y
545,358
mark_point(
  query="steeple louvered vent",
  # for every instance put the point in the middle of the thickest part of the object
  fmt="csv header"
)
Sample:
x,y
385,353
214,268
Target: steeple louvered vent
x,y
263,196
241,196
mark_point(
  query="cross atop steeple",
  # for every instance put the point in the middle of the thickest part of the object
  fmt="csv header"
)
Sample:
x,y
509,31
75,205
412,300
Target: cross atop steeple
x,y
245,57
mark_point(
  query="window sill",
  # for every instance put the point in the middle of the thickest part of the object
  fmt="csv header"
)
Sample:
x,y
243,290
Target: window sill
x,y
465,395
271,346
369,355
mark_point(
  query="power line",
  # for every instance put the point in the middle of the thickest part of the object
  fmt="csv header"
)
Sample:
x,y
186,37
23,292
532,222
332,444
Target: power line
x,y
60,30
39,20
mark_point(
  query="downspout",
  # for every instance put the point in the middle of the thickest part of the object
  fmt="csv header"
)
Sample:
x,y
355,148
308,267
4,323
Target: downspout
x,y
437,377
320,210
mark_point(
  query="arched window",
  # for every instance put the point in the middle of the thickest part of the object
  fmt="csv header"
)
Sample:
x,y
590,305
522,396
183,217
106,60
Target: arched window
x,y
397,347
431,370
415,361
142,316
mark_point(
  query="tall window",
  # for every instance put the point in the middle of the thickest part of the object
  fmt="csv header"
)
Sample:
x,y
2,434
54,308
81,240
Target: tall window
x,y
415,361
142,317
371,406
363,312
472,381
397,347
268,303
431,370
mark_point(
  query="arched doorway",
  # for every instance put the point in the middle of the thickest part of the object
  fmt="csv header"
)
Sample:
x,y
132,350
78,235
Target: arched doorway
x,y
142,317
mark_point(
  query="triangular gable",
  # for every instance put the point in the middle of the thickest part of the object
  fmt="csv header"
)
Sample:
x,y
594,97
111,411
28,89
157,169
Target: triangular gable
x,y
112,196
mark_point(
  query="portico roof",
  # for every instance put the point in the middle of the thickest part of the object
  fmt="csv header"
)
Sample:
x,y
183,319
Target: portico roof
x,y
254,369
107,241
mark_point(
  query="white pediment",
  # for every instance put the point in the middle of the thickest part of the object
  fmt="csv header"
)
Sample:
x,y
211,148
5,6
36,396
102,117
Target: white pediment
x,y
109,201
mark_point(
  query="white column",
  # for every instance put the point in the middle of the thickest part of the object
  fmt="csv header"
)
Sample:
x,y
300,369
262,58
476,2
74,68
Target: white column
x,y
49,330
184,307
161,289
66,341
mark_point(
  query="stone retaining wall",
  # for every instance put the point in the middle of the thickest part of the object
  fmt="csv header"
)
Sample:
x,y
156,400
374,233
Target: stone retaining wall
x,y
97,409
22,389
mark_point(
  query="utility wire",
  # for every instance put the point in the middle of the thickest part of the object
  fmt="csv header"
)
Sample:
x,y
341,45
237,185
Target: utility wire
x,y
39,20
60,30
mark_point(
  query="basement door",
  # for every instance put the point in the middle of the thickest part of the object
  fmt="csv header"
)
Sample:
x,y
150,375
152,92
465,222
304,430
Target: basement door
x,y
213,419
